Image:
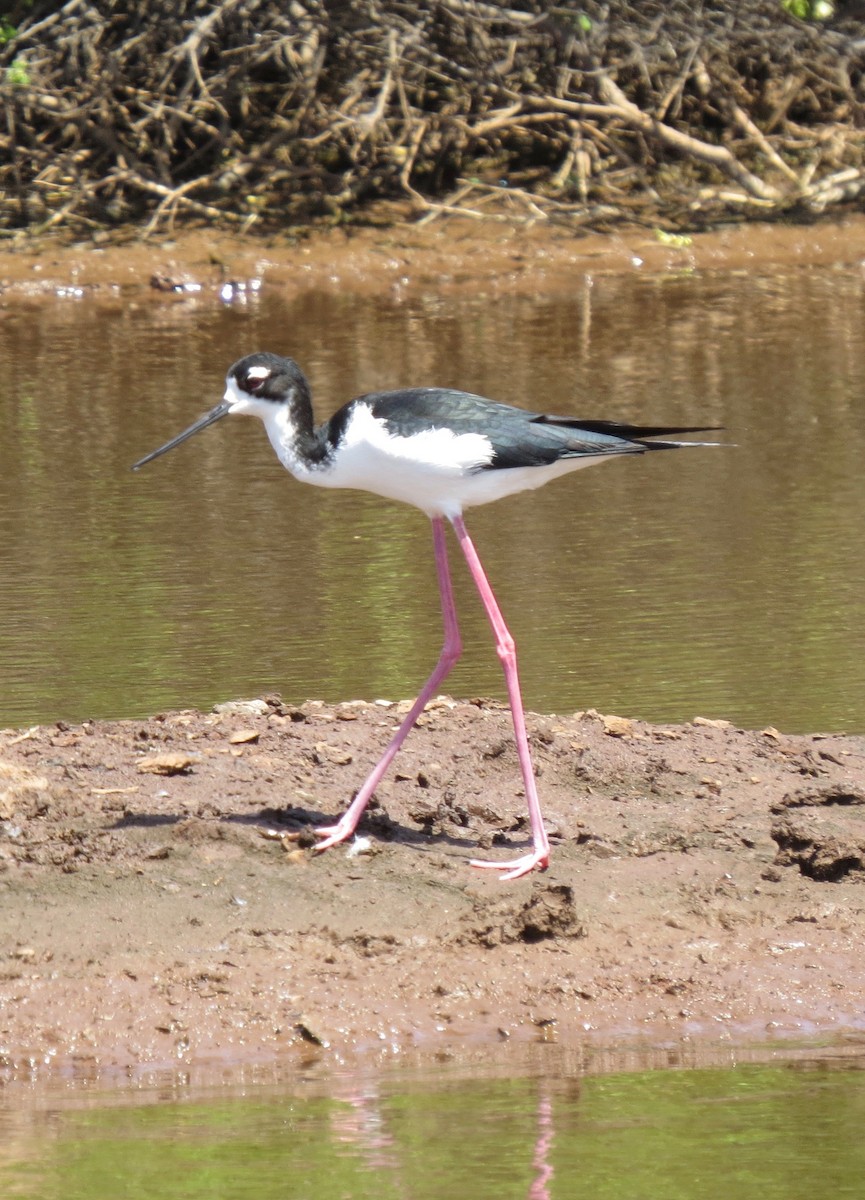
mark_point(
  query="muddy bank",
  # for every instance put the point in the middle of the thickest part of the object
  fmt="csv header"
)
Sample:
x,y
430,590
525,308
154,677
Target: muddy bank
x,y
159,904
403,259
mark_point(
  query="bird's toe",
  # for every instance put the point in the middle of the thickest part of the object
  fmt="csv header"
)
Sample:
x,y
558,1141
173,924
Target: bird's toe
x,y
517,867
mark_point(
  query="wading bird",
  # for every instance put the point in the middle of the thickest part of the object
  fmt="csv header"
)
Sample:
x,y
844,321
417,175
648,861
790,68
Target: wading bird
x,y
442,451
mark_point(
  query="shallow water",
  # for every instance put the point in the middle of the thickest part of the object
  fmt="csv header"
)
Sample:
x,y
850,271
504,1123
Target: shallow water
x,y
777,1132
726,582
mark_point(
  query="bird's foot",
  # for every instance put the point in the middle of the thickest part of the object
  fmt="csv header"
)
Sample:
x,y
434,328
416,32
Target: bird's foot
x,y
539,858
332,835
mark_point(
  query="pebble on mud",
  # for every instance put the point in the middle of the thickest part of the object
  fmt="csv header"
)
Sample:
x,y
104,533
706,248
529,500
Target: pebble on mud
x,y
167,764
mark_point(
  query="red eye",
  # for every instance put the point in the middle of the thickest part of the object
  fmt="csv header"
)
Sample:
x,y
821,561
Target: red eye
x,y
254,382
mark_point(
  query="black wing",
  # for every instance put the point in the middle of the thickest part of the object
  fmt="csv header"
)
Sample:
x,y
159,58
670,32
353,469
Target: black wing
x,y
518,438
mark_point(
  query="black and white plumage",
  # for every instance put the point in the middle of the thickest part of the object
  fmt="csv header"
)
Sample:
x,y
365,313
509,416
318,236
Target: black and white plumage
x,y
442,451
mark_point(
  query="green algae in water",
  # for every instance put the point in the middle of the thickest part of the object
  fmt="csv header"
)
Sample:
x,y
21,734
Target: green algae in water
x,y
769,1132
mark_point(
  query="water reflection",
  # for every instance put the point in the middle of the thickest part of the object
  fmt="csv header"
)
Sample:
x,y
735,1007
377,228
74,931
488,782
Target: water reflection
x,y
541,1164
773,1130
363,1125
722,583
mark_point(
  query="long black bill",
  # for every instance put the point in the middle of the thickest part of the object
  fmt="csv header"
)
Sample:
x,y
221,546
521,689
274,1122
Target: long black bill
x,y
215,414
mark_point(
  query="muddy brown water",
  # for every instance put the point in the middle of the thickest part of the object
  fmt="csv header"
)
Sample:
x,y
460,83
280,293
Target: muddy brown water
x,y
724,582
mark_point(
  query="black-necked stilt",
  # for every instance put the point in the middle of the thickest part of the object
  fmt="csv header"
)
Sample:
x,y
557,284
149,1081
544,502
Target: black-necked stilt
x,y
442,451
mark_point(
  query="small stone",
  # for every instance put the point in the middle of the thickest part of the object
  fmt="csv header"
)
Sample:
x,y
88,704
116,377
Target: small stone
x,y
167,764
241,736
617,726
242,708
325,753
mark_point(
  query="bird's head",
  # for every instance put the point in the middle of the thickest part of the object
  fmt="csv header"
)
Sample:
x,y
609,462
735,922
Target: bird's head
x,y
258,382
255,386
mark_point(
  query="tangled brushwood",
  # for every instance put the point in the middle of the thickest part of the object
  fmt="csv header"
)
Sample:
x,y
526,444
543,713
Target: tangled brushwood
x,y
274,112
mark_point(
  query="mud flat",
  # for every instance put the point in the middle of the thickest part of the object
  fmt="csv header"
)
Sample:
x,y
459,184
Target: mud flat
x,y
160,904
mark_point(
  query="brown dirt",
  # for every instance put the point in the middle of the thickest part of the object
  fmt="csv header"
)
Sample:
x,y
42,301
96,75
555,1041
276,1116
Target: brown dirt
x,y
706,883
400,259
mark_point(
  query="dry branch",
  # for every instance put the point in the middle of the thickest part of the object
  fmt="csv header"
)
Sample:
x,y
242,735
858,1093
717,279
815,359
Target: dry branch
x,y
660,110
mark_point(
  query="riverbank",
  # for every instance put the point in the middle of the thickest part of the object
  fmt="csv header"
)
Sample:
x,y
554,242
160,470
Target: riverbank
x,y
160,906
396,257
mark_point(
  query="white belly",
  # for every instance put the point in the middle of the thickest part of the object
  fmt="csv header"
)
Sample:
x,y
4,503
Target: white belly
x,y
438,471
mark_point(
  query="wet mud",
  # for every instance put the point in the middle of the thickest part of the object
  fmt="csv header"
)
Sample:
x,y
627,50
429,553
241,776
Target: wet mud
x,y
391,256
161,905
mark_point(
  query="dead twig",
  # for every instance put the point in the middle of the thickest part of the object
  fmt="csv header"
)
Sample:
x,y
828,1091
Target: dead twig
x,y
669,111
171,198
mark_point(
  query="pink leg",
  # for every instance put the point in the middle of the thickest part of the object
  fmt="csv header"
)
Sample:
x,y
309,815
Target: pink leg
x,y
450,652
540,854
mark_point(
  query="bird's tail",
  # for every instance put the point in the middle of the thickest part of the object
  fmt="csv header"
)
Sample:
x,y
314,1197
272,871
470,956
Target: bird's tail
x,y
640,439
635,434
